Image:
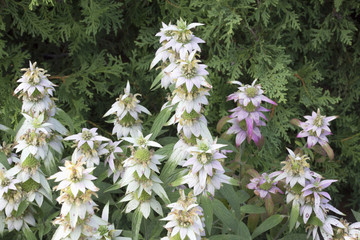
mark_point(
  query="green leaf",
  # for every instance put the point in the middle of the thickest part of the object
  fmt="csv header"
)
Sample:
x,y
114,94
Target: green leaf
x,y
168,170
244,231
230,195
252,209
8,130
160,121
295,236
294,215
205,203
67,120
4,161
136,223
22,207
313,220
113,187
242,196
356,215
156,81
225,237
225,215
267,224
29,235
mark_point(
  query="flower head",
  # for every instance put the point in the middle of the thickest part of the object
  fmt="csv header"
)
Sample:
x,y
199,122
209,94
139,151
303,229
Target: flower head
x,y
296,170
185,219
316,128
249,94
264,185
34,84
88,137
75,178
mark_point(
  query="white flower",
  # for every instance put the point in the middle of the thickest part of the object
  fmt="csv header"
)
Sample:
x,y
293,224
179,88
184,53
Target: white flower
x,y
190,124
87,136
182,40
127,104
75,177
202,183
185,219
19,222
7,183
296,170
191,73
144,202
124,131
249,93
34,83
138,140
44,105
189,101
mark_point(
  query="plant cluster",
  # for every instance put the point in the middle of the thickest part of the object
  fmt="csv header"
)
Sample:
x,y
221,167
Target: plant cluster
x,y
216,185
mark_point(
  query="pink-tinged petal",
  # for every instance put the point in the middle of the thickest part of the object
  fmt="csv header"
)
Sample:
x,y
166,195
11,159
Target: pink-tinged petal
x,y
302,134
307,187
326,183
311,141
328,119
266,99
325,194
263,193
240,137
307,193
249,123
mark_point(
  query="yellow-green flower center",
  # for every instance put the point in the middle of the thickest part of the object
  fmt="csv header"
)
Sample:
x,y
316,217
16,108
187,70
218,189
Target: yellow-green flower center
x,y
266,186
86,135
250,107
251,92
142,155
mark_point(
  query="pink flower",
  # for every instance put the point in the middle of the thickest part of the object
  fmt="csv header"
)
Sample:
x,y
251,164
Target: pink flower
x,y
316,128
264,185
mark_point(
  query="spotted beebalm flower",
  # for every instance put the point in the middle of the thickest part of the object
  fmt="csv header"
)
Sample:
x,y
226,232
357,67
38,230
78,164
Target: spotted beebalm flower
x,y
190,124
326,229
203,184
75,177
22,221
206,172
243,132
296,170
190,73
248,115
34,84
185,220
88,137
138,140
7,149
316,128
351,231
182,40
127,108
264,185
189,101
10,193
141,179
249,93
114,157
316,200
205,156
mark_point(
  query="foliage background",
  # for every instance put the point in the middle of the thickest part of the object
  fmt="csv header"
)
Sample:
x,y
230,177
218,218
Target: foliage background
x,y
304,53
